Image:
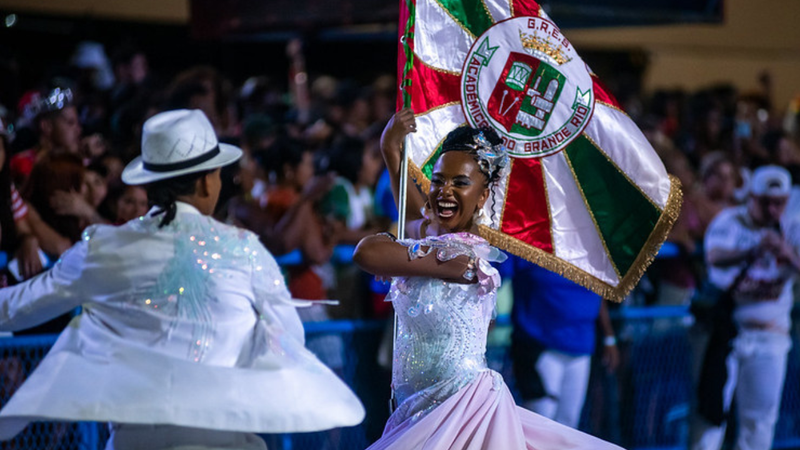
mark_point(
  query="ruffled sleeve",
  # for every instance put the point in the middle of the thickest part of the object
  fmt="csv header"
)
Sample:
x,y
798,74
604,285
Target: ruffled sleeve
x,y
450,246
488,277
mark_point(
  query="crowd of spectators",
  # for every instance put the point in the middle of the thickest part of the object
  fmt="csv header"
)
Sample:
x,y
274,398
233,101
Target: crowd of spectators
x,y
712,141
311,161
307,181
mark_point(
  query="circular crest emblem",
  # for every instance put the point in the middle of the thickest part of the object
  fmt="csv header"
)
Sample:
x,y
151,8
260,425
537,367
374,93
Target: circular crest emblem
x,y
523,78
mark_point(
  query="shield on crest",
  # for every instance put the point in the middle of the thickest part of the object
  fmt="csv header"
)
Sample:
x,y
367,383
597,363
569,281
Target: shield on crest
x,y
525,95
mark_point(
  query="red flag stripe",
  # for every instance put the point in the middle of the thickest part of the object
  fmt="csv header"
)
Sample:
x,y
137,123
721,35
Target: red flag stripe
x,y
401,60
432,88
602,94
524,8
526,213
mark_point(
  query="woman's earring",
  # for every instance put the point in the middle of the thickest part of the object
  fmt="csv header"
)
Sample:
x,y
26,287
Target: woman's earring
x,y
425,210
481,218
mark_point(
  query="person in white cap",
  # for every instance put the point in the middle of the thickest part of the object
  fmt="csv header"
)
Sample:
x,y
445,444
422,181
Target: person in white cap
x,y
753,259
188,336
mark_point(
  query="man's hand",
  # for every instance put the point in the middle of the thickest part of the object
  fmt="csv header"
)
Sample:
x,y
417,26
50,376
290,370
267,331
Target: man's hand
x,y
773,242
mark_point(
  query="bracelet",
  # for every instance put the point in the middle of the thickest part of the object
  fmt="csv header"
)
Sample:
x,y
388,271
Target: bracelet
x,y
416,251
469,273
609,341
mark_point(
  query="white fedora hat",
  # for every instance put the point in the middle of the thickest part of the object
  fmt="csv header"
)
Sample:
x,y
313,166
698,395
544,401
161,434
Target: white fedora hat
x,y
176,143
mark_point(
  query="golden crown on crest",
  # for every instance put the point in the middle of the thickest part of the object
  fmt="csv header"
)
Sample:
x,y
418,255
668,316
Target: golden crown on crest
x,y
543,47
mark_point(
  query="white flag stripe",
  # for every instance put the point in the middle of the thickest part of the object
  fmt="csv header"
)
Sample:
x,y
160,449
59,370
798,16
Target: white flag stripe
x,y
500,9
432,127
619,138
440,41
576,239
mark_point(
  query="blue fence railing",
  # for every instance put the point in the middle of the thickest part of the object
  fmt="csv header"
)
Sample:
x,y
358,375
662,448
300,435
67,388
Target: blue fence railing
x,y
644,405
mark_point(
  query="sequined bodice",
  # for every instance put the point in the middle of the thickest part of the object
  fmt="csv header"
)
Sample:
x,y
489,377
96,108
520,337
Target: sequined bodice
x,y
442,327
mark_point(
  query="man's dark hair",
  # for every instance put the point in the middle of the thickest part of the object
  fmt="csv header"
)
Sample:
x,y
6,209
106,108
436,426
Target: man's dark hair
x,y
164,193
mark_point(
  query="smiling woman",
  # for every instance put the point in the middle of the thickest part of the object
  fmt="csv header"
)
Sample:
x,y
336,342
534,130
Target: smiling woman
x,y
444,293
458,191
470,161
461,177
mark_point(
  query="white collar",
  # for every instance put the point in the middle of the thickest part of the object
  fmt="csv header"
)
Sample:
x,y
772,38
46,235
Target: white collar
x,y
181,207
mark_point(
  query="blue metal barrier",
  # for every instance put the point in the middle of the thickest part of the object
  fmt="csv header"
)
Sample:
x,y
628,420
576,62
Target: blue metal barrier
x,y
645,405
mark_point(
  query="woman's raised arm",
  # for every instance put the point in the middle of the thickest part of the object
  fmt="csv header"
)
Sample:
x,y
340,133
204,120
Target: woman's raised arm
x,y
394,134
381,256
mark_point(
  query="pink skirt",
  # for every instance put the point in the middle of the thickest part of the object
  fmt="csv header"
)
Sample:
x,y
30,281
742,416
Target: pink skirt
x,y
483,416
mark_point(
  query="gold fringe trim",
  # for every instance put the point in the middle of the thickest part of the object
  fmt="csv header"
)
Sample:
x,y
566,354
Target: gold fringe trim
x,y
614,293
417,176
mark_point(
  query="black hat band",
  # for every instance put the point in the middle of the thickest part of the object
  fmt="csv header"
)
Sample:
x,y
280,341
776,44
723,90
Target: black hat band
x,y
182,164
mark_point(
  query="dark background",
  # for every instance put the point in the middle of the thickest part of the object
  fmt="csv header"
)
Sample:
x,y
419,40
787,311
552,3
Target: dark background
x,y
347,39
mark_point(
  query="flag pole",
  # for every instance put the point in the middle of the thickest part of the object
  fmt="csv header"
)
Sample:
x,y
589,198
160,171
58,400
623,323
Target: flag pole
x,y
402,198
405,84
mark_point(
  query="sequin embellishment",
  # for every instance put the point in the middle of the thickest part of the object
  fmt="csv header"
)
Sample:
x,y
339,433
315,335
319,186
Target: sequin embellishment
x,y
442,327
181,291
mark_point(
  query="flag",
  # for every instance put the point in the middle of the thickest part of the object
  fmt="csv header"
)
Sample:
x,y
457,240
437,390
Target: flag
x,y
586,195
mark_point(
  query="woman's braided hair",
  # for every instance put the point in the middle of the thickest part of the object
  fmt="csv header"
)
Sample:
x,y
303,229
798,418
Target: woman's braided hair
x,y
484,145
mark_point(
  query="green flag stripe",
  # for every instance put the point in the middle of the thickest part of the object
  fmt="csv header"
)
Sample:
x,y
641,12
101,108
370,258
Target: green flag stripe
x,y
625,218
427,168
591,141
472,15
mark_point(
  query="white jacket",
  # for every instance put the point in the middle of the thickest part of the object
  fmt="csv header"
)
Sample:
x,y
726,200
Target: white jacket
x,y
189,325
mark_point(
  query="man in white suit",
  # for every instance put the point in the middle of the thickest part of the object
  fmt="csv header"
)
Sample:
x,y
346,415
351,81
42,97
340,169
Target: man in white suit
x,y
188,336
